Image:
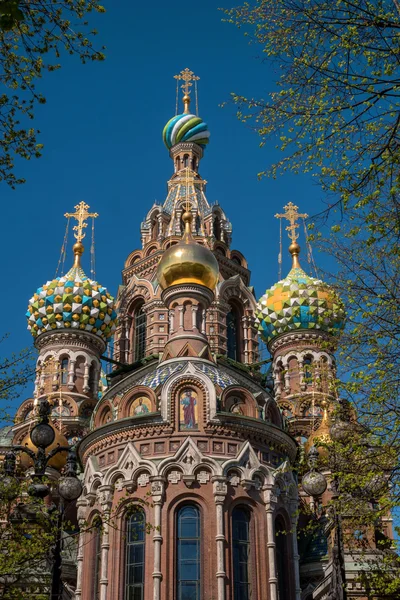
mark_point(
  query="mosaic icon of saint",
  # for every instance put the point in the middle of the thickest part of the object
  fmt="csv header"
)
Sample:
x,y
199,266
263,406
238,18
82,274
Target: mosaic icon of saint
x,y
140,409
189,402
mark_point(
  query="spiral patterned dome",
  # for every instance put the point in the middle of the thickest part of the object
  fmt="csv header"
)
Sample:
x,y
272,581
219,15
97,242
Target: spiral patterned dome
x,y
72,301
299,302
186,128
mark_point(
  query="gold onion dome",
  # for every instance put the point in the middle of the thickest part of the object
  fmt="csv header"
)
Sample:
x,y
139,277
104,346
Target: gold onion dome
x,y
72,302
57,462
299,302
188,262
320,436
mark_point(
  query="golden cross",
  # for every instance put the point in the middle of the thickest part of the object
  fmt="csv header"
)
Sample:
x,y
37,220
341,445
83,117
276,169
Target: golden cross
x,y
187,76
292,216
81,215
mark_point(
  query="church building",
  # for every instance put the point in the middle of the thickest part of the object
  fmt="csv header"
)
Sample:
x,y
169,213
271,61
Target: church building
x,y
189,446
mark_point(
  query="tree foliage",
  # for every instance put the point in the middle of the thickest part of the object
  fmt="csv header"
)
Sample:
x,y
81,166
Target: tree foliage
x,y
336,112
34,35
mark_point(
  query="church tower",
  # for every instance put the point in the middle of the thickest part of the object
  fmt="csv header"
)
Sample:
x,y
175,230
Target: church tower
x,y
186,438
300,319
71,319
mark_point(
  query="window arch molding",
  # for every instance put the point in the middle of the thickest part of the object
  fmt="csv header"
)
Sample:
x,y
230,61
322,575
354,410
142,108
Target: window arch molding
x,y
233,395
129,398
101,417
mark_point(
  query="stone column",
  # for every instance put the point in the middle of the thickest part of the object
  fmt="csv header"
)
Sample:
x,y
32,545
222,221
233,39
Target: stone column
x,y
180,309
71,373
81,505
105,496
296,556
195,308
86,377
220,490
270,502
171,314
157,492
203,321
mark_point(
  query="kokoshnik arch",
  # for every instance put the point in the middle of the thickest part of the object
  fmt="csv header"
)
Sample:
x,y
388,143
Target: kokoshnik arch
x,y
186,422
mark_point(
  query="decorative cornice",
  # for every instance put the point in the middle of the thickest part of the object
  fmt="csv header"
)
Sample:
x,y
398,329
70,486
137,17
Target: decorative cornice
x,y
70,337
313,338
191,290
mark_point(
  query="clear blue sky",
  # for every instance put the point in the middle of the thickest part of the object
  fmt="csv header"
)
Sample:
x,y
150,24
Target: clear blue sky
x,y
101,128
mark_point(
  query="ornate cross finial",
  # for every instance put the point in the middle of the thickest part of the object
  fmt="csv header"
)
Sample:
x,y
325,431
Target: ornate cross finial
x,y
292,215
187,76
81,215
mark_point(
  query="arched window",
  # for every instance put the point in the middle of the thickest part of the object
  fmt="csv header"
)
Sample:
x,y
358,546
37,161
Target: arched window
x,y
97,533
64,371
233,334
186,160
92,376
307,370
139,337
134,557
188,553
241,554
217,228
282,558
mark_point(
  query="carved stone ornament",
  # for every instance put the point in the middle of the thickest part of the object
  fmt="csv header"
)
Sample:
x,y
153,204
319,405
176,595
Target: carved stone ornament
x,y
174,476
203,477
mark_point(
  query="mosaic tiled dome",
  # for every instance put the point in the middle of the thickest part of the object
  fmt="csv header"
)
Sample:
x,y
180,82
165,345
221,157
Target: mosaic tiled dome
x,y
299,302
72,301
186,128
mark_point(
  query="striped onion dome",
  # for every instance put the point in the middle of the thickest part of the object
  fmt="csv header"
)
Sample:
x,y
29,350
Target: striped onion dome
x,y
186,128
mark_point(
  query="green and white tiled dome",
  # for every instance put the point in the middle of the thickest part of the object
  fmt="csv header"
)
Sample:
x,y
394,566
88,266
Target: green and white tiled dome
x,y
299,302
72,302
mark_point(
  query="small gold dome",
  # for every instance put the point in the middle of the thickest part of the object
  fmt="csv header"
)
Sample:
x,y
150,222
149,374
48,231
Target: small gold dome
x,y
188,262
320,435
57,462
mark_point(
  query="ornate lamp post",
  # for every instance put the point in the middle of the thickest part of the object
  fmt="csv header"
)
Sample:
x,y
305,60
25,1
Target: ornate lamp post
x,y
69,486
314,484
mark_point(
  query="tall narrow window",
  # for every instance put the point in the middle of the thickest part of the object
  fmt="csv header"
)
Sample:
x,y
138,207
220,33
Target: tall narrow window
x,y
232,334
241,554
188,553
64,371
282,559
135,546
308,378
97,560
140,334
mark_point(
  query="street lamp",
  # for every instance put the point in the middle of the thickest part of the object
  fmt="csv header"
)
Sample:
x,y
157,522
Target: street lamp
x,y
69,486
314,484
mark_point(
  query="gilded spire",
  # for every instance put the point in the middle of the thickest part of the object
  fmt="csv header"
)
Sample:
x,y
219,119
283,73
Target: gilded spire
x,y
292,215
187,76
81,214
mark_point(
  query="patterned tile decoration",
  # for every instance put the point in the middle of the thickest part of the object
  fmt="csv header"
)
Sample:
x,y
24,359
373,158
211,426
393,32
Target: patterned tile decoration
x,y
72,301
217,376
155,378
299,302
